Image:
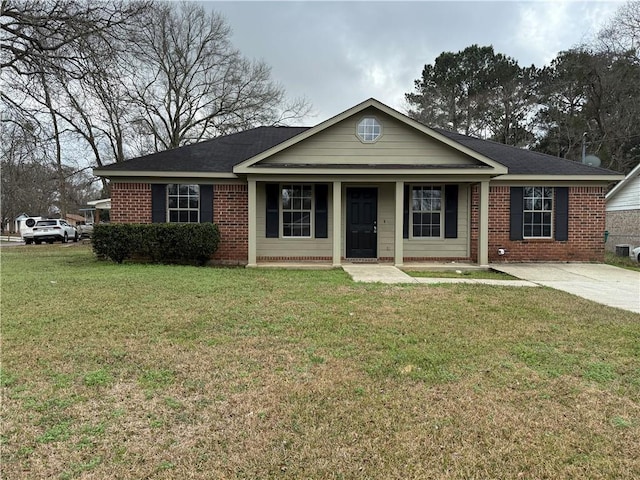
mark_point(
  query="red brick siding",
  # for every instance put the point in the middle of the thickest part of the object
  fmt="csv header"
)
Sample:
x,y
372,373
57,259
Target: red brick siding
x,y
130,203
231,214
586,229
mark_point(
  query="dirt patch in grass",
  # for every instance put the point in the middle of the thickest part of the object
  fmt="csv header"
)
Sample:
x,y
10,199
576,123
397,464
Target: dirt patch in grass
x,y
472,274
184,372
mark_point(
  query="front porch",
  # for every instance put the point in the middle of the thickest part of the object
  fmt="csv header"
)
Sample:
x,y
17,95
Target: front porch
x,y
381,233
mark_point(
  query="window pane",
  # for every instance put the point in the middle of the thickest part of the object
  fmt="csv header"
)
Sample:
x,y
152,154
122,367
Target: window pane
x,y
172,189
173,216
193,202
173,202
183,202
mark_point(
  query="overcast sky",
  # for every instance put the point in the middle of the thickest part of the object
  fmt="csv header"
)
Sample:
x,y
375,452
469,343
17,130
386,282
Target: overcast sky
x,y
337,54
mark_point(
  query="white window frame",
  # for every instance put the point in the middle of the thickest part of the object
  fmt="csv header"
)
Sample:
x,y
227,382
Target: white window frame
x,y
292,210
440,212
178,196
541,210
369,129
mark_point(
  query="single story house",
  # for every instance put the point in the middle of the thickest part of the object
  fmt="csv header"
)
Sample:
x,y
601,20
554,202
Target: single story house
x,y
369,184
623,212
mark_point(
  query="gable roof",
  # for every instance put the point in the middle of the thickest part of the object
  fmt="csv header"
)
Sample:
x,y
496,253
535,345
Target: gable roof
x,y
240,152
620,185
246,166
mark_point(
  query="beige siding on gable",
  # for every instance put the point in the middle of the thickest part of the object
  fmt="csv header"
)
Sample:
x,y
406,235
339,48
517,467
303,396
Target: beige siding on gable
x,y
399,144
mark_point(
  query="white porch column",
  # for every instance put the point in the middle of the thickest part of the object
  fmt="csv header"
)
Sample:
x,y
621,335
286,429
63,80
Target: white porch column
x,y
337,223
399,217
483,225
252,201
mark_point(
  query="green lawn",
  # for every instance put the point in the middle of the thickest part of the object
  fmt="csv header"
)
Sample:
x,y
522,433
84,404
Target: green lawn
x,y
622,262
149,371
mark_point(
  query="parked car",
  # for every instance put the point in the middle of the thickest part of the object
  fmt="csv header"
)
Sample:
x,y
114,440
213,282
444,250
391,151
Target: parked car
x,y
635,254
85,230
26,229
52,230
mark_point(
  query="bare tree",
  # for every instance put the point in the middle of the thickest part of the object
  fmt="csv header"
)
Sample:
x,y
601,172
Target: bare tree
x,y
38,36
190,83
622,32
27,182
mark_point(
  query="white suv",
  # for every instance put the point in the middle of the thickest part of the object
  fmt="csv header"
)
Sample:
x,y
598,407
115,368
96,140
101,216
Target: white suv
x,y
52,230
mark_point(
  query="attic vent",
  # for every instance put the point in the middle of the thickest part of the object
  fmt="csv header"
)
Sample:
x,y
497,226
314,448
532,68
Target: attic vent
x,y
369,130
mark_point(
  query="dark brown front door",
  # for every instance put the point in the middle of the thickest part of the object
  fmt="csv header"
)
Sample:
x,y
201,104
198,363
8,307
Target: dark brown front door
x,y
362,214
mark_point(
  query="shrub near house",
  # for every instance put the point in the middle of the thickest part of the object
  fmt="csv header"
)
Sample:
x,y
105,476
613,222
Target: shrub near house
x,y
160,242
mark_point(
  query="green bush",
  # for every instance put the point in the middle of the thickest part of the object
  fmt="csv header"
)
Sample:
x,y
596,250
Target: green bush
x,y
158,242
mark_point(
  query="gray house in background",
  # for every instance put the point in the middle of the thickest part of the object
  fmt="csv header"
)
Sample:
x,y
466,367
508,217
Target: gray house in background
x,y
623,212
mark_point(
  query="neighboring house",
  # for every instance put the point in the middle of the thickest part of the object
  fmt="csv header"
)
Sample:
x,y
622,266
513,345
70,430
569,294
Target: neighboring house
x,y
97,211
623,212
73,219
369,184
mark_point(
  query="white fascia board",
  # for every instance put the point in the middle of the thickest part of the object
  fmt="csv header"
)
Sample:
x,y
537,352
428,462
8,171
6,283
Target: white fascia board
x,y
371,179
400,172
245,167
109,174
555,178
631,175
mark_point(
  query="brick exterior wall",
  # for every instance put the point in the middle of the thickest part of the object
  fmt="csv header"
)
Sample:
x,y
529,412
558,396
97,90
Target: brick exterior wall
x,y
623,227
130,203
586,229
231,214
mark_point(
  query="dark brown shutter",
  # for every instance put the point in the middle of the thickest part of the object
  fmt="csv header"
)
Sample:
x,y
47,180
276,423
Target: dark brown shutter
x,y
515,213
322,211
206,203
272,228
562,214
451,211
158,203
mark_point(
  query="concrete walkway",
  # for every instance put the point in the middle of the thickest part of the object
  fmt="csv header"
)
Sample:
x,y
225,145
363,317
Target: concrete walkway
x,y
605,284
371,273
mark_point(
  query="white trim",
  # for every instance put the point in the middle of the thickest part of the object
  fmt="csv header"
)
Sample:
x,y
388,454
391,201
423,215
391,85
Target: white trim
x,y
252,201
153,174
312,211
399,225
337,224
630,176
557,178
441,211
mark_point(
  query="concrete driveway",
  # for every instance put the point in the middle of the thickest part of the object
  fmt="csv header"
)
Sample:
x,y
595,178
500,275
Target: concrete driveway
x,y
600,283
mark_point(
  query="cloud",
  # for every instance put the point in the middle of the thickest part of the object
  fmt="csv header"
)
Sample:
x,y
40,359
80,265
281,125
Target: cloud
x,y
338,54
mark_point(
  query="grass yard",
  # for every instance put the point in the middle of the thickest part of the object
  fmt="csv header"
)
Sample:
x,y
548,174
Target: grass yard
x,y
149,371
622,262
471,274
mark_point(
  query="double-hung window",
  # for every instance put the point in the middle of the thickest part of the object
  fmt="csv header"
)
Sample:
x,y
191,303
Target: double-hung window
x,y
296,210
183,203
537,212
426,210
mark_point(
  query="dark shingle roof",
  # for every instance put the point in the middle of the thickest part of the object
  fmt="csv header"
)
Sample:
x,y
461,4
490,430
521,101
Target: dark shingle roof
x,y
218,155
524,162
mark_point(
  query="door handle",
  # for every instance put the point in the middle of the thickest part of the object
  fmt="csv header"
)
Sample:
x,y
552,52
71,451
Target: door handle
x,y
375,229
